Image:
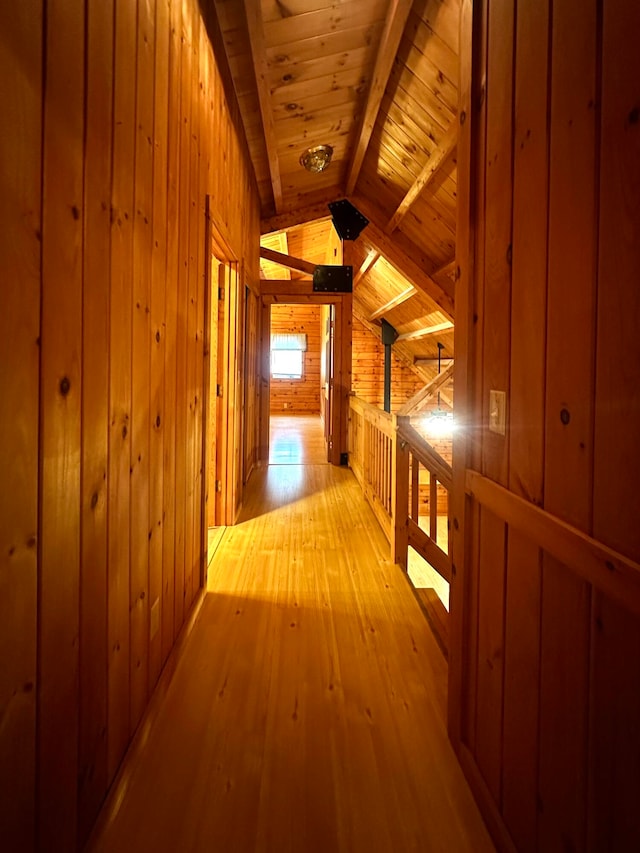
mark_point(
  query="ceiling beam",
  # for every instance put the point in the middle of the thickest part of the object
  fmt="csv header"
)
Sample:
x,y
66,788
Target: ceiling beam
x,y
394,25
401,352
411,263
285,286
447,270
393,303
438,156
426,332
432,362
287,261
253,13
367,265
284,248
276,242
316,209
427,392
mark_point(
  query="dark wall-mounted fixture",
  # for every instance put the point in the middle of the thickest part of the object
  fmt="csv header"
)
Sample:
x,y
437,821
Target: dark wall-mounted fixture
x,y
332,279
347,219
389,336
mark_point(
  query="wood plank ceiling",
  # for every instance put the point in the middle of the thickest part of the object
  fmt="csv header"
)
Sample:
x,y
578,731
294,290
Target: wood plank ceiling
x,y
377,81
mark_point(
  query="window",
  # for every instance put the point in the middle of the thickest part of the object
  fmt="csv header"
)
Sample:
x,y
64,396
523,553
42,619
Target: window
x,y
286,356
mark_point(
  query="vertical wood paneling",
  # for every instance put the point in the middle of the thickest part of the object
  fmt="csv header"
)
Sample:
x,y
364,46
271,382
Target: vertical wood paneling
x,y
572,263
171,310
568,430
490,650
467,448
477,214
182,347
615,741
562,783
529,267
496,304
102,229
20,230
158,338
140,361
60,427
617,423
526,418
200,525
569,362
521,691
120,381
498,235
192,285
92,775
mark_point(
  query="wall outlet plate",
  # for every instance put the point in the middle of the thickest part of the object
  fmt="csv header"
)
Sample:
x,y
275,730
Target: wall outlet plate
x,y
498,412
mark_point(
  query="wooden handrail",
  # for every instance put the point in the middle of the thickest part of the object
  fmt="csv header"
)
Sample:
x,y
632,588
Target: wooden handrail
x,y
382,420
427,456
382,448
616,575
372,447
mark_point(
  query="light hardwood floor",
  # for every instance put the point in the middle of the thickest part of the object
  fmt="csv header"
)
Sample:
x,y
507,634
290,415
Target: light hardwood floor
x,y
296,440
306,709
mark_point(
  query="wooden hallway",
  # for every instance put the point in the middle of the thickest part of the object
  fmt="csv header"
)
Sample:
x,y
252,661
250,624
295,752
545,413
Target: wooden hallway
x,y
306,708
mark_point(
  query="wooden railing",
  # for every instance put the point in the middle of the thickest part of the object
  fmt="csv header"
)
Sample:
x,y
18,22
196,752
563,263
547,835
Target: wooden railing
x,y
400,475
371,457
425,470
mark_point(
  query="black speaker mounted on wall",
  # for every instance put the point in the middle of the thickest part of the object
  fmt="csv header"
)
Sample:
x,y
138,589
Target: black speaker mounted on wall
x,y
347,219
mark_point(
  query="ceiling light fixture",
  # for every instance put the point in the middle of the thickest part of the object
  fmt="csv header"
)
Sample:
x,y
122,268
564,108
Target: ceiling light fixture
x,y
439,423
316,159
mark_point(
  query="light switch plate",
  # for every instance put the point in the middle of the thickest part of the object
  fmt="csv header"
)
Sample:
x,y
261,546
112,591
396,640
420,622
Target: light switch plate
x,y
498,412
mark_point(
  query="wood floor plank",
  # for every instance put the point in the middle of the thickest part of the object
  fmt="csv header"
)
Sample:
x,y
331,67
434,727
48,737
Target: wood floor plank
x,y
296,440
306,711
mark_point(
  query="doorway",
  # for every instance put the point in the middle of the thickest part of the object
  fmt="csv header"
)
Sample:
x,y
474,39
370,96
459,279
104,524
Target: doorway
x,y
334,376
224,390
295,388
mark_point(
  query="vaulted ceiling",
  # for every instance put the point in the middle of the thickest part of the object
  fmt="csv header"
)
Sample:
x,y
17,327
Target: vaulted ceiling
x,y
377,81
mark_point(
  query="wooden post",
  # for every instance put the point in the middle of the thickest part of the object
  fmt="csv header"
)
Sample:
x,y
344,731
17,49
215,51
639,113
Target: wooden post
x,y
470,60
400,501
346,328
265,373
433,506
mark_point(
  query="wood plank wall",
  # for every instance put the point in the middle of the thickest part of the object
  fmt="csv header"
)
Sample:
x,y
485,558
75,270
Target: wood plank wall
x,y
368,371
545,671
298,396
117,126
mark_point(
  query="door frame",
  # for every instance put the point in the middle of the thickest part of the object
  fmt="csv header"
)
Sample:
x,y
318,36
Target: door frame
x,y
292,292
221,271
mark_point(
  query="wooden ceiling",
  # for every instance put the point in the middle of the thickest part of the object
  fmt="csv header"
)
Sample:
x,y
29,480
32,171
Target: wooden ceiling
x,y
377,81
